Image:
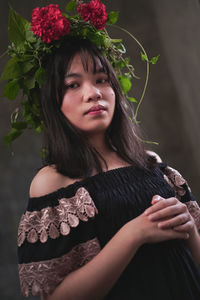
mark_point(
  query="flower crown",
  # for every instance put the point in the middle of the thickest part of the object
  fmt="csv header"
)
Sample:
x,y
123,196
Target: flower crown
x,y
32,43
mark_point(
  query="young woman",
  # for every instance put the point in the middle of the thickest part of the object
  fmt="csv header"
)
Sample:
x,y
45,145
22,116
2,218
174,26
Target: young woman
x,y
105,219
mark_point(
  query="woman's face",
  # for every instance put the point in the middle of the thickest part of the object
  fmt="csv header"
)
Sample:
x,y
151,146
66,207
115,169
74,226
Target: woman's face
x,y
89,100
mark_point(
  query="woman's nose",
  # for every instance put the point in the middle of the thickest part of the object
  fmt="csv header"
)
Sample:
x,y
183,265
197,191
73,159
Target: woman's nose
x,y
91,92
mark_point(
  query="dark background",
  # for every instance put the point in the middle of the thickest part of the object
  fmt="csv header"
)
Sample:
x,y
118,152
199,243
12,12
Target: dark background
x,y
169,114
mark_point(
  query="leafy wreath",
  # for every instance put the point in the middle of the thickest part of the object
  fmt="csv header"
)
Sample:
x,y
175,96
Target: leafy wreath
x,y
32,43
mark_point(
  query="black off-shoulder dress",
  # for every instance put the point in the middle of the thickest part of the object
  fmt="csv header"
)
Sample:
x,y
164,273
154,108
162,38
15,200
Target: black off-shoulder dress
x,y
62,231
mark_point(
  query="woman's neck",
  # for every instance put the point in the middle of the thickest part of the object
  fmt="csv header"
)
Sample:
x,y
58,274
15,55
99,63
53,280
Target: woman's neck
x,y
101,145
109,155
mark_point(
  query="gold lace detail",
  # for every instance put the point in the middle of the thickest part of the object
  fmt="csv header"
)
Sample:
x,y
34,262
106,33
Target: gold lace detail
x,y
175,180
194,210
38,278
53,221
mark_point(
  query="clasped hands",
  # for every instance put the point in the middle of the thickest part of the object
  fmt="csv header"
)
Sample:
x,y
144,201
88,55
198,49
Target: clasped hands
x,y
172,214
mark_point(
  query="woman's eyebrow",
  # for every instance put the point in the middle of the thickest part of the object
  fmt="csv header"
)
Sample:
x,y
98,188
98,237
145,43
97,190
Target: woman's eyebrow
x,y
97,71
72,75
100,70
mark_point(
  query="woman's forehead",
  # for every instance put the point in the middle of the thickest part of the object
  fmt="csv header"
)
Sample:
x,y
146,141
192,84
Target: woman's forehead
x,y
85,61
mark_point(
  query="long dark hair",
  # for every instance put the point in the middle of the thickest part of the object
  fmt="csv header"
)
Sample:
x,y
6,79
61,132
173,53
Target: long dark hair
x,y
67,149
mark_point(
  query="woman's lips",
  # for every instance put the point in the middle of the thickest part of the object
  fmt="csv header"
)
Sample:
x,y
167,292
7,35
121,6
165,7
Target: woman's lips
x,y
96,112
98,109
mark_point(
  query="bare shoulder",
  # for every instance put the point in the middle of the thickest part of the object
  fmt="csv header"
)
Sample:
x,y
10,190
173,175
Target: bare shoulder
x,y
48,180
154,154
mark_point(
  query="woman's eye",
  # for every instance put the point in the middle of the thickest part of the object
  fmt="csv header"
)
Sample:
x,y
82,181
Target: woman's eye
x,y
72,85
102,80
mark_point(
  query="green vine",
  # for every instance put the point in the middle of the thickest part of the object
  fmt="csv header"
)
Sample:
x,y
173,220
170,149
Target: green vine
x,y
26,69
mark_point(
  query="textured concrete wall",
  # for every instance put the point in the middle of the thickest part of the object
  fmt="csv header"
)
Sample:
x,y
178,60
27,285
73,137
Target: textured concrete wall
x,y
169,114
178,25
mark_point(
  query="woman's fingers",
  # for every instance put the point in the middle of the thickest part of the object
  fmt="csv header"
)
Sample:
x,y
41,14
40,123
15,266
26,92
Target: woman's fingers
x,y
160,204
168,212
168,234
182,235
171,216
152,233
155,199
176,221
166,208
187,227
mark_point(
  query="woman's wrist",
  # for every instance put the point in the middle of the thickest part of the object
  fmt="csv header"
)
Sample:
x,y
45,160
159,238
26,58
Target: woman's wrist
x,y
134,233
193,232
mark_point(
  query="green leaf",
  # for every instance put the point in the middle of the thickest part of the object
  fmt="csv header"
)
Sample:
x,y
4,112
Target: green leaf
x,y
71,6
107,42
66,15
112,17
11,89
34,109
19,125
12,69
40,76
96,37
39,129
119,64
125,83
16,28
12,135
132,99
38,43
27,57
144,57
26,66
154,59
30,37
29,82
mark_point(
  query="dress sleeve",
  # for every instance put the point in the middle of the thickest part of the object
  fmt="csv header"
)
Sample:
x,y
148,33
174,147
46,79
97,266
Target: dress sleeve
x,y
54,240
182,191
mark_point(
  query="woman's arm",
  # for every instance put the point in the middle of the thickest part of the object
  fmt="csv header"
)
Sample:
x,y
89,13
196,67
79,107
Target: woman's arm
x,y
97,277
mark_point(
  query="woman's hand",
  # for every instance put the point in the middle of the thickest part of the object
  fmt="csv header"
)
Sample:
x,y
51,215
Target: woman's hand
x,y
170,213
145,231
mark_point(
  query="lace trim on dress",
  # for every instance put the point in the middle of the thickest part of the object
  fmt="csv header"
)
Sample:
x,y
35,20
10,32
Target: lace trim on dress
x,y
53,221
194,210
175,180
38,278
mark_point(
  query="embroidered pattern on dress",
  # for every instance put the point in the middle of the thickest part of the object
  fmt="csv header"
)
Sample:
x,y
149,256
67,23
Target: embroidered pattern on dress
x,y
194,210
53,221
43,277
175,180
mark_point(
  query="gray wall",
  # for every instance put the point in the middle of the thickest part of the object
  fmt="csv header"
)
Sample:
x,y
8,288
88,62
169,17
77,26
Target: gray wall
x,y
169,114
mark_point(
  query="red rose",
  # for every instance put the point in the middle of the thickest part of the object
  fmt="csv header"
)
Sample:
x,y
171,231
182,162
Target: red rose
x,y
95,12
49,23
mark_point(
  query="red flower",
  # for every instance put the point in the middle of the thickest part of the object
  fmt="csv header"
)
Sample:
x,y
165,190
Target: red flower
x,y
95,12
49,23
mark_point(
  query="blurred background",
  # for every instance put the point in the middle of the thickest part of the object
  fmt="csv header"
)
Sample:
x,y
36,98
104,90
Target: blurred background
x,y
169,114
